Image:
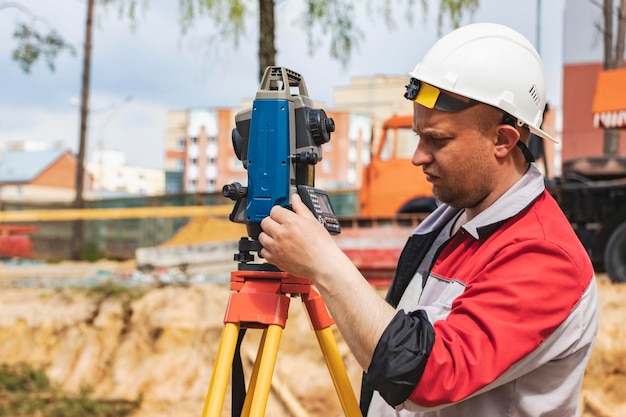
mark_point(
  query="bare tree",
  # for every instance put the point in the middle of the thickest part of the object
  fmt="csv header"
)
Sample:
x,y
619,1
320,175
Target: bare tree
x,y
33,45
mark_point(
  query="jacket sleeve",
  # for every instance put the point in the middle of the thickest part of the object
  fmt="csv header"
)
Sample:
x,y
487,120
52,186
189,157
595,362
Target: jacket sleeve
x,y
400,356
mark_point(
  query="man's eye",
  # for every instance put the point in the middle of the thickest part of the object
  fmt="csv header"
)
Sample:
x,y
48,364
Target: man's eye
x,y
441,138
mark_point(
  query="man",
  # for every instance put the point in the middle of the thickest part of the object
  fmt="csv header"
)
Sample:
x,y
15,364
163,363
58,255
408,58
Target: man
x,y
493,309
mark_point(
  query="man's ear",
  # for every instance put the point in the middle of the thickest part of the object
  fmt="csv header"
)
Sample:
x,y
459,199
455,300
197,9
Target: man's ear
x,y
506,140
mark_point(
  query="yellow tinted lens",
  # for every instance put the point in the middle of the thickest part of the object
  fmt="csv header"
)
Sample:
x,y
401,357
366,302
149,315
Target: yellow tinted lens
x,y
427,95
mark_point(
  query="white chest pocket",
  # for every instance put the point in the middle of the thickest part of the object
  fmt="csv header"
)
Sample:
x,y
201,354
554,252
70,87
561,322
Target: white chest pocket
x,y
437,297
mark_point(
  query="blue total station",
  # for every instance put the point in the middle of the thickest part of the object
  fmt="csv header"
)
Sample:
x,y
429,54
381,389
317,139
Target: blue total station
x,y
268,157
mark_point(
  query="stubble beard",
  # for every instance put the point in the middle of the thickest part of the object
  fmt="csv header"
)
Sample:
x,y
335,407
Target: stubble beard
x,y
465,188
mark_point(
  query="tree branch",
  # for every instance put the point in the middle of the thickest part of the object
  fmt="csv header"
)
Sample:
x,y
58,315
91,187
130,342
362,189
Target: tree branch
x,y
21,8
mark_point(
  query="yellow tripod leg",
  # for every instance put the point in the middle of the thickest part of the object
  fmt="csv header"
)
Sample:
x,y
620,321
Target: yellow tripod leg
x,y
338,372
261,381
221,372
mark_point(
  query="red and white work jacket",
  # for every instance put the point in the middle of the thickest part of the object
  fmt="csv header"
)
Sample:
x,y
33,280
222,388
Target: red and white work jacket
x,y
498,320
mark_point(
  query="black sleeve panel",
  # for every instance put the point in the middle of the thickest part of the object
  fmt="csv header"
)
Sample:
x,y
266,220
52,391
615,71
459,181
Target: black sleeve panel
x,y
400,356
412,255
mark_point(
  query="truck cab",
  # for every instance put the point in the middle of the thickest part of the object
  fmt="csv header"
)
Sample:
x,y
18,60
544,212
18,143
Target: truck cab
x,y
391,183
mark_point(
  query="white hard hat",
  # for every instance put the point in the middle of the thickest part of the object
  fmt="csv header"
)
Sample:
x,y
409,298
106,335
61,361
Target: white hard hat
x,y
488,63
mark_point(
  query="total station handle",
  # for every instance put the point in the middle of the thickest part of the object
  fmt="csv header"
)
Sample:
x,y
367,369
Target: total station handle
x,y
277,83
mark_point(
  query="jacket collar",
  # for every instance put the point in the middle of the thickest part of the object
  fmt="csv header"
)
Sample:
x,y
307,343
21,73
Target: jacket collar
x,y
514,200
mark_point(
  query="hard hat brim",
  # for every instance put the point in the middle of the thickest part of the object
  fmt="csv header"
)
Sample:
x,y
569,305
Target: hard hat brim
x,y
543,134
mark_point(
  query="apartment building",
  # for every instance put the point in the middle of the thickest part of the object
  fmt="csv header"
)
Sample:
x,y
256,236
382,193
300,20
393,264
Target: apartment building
x,y
199,156
113,177
379,97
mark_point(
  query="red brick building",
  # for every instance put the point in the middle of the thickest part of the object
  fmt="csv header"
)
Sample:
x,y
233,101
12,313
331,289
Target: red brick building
x,y
45,175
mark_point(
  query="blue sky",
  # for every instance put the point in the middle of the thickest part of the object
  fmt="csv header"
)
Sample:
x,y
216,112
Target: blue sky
x,y
138,76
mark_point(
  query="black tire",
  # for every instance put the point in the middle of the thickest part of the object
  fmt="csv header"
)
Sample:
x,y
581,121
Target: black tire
x,y
615,254
419,205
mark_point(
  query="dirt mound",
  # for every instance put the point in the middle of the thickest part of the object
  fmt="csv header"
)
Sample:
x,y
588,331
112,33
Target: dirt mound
x,y
206,229
604,387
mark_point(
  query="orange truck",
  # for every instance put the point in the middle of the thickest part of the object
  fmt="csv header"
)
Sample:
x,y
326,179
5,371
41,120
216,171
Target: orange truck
x,y
394,198
391,185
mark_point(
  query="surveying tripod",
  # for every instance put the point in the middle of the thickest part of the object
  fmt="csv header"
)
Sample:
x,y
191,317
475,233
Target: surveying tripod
x,y
261,301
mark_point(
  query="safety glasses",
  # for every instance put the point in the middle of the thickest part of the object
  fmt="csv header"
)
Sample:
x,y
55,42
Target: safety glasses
x,y
433,98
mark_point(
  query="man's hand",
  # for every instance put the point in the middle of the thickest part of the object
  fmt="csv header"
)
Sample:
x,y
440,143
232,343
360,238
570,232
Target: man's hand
x,y
297,243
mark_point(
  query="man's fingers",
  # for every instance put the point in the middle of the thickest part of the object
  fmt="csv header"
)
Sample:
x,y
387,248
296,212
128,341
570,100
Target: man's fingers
x,y
279,214
299,207
267,224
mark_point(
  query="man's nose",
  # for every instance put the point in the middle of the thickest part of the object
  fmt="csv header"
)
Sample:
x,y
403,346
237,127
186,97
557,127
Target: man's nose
x,y
421,155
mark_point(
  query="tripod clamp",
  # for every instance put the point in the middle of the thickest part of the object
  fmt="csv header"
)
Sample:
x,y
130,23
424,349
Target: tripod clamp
x,y
244,257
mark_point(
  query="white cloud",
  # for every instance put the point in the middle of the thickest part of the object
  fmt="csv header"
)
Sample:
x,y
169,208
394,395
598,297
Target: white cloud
x,y
137,128
36,124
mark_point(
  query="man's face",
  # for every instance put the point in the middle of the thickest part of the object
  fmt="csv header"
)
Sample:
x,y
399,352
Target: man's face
x,y
456,153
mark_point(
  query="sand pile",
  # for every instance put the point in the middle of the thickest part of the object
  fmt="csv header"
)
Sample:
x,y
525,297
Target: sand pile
x,y
207,229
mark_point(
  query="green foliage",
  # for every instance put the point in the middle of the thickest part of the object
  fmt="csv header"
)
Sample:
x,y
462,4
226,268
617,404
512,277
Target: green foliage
x,y
454,10
335,17
228,16
91,253
22,378
108,289
332,19
125,9
85,406
33,45
26,391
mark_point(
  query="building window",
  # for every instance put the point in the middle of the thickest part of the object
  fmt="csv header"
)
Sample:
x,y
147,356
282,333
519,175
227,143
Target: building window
x,y
235,164
327,166
212,150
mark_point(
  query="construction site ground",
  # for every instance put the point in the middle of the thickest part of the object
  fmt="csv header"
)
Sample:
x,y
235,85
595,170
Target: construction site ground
x,y
161,344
